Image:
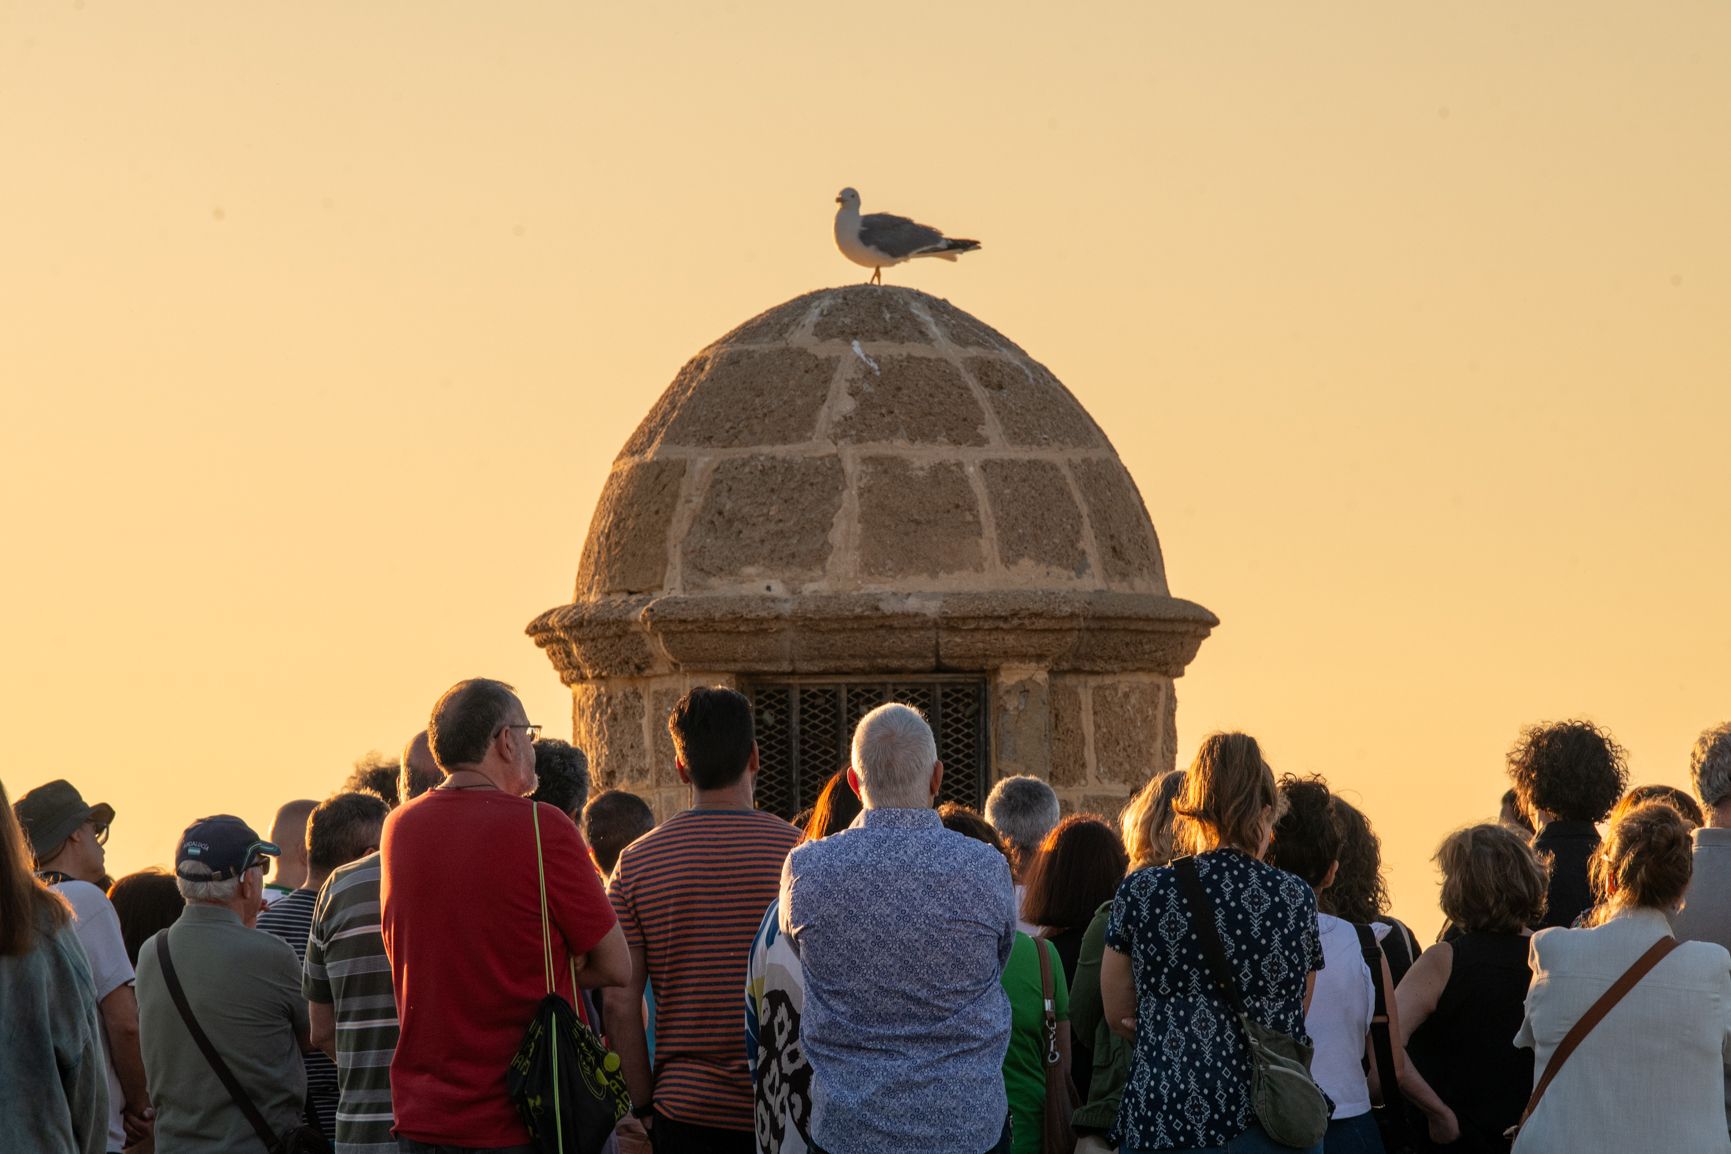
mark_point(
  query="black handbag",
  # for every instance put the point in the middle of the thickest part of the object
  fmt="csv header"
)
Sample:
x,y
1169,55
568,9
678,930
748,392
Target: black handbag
x,y
567,1086
306,1138
1392,1117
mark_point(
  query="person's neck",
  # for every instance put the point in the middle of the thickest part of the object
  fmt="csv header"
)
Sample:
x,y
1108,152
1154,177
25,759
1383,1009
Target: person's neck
x,y
471,778
735,796
61,864
1719,817
290,877
315,880
237,907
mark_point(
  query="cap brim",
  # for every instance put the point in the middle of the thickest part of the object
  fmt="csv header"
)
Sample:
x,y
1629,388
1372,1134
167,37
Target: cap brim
x,y
269,847
103,813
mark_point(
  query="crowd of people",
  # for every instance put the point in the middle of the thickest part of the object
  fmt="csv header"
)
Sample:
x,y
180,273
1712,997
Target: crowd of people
x,y
1215,969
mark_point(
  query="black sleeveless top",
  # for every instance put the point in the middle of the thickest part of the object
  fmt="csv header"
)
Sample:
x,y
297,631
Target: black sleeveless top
x,y
1466,1049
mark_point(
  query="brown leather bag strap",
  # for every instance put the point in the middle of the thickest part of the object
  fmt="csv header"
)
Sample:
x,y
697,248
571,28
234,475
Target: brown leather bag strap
x,y
1595,1014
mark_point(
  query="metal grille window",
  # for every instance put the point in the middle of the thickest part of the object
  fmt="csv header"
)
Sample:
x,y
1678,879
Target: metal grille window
x,y
805,732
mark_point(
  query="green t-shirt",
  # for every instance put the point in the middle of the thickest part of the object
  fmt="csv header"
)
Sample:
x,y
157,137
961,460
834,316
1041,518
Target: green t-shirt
x,y
1025,1061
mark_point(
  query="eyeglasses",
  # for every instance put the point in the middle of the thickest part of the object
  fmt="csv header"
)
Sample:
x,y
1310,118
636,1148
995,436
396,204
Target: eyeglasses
x,y
534,731
99,829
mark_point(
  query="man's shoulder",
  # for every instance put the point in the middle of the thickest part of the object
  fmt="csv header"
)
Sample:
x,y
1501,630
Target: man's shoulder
x,y
83,897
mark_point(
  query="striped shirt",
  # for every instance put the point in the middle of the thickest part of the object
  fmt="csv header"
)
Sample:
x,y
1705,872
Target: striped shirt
x,y
346,968
691,894
291,918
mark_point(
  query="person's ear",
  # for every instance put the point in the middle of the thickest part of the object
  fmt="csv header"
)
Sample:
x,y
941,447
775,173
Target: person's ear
x,y
751,762
853,782
684,774
937,777
1328,878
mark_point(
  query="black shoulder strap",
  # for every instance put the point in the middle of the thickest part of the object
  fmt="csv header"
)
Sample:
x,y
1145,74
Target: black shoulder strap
x,y
1380,1041
1207,933
229,1082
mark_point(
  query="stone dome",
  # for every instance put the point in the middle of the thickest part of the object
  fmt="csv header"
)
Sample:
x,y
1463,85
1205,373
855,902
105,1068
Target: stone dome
x,y
868,479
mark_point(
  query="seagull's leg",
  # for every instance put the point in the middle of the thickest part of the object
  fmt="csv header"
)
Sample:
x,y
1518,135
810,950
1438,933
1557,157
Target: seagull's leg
x,y
877,276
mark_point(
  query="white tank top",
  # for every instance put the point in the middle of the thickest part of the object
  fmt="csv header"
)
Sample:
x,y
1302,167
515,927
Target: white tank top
x,y
1339,1017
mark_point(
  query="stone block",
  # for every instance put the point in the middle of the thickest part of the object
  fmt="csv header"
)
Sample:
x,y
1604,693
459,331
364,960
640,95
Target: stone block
x,y
1123,535
1034,409
1022,722
607,724
963,330
909,400
649,431
764,517
1106,806
871,313
627,547
754,396
773,325
1069,737
917,520
662,769
1036,517
1128,717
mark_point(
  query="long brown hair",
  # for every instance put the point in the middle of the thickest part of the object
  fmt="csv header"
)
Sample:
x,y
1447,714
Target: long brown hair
x,y
25,903
1079,866
837,806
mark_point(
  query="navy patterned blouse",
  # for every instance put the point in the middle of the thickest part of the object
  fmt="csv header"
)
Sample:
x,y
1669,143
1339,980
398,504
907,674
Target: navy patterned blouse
x,y
1189,1081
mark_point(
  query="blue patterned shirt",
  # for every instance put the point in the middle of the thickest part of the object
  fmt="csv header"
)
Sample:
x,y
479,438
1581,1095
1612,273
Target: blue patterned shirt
x,y
903,928
1189,1082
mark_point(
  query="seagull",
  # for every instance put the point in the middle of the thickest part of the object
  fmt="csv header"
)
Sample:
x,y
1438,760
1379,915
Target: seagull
x,y
880,240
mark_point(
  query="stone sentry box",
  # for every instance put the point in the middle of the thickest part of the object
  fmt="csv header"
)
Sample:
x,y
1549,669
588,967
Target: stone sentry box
x,y
866,486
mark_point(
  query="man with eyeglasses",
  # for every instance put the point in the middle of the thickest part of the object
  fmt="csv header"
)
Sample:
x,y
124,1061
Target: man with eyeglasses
x,y
463,924
67,837
241,986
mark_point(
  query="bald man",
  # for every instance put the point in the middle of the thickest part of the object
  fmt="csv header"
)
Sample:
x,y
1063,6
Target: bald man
x,y
417,772
289,831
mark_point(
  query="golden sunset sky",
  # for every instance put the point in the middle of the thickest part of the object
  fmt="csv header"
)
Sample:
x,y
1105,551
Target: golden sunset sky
x,y
320,324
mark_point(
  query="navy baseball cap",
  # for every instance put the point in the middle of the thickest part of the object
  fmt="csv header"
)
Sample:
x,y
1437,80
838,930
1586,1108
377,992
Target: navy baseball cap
x,y
224,845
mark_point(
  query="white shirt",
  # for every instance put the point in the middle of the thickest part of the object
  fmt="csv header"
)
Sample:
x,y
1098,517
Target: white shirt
x,y
98,929
1341,1007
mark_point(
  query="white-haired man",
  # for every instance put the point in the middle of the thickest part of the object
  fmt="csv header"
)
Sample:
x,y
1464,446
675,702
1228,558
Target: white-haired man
x,y
1023,810
243,989
903,929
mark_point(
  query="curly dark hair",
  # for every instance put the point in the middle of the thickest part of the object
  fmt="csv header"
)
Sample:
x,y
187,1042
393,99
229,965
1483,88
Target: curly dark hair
x,y
1307,837
1358,893
374,773
1572,769
562,775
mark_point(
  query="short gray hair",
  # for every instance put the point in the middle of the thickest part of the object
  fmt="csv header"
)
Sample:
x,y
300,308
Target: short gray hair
x,y
1710,765
217,891
894,754
1024,809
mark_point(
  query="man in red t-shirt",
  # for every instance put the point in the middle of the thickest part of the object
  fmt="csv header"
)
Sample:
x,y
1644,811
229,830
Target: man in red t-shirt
x,y
461,916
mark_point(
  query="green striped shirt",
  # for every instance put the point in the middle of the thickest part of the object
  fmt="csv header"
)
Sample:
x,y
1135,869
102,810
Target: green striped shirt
x,y
346,968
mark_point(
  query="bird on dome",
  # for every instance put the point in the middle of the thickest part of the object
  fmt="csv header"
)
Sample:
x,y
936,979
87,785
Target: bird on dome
x,y
879,240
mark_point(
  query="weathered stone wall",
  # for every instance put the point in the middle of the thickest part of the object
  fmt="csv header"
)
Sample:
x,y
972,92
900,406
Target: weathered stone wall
x,y
867,480
1096,739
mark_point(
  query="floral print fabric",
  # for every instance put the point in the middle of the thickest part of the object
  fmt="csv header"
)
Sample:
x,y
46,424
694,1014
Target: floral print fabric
x,y
1189,1081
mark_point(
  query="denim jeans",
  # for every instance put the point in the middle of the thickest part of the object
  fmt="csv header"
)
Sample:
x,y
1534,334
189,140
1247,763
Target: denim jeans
x,y
1252,1141
410,1146
1355,1135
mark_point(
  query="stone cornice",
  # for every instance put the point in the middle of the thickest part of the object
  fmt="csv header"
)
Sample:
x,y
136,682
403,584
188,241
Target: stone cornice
x,y
872,632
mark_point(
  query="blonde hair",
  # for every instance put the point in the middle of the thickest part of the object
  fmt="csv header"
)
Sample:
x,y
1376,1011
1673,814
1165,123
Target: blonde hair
x,y
1226,791
1147,820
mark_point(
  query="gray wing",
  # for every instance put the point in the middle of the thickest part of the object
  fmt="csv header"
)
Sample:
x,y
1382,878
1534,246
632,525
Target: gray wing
x,y
897,236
